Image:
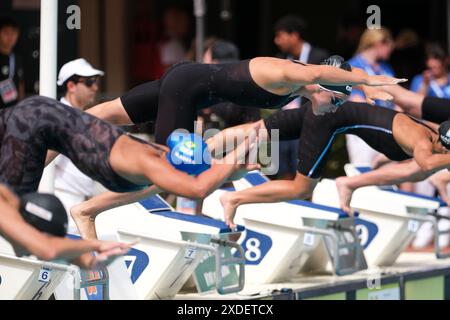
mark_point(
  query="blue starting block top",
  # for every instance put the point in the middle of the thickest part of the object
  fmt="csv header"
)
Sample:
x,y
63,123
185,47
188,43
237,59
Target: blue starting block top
x,y
410,194
308,204
419,196
255,179
157,206
364,169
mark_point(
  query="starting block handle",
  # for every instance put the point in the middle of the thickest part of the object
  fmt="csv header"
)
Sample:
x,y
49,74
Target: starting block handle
x,y
220,263
337,247
435,218
439,216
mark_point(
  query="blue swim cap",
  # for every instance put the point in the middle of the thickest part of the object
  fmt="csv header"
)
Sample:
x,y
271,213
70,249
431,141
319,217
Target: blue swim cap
x,y
188,153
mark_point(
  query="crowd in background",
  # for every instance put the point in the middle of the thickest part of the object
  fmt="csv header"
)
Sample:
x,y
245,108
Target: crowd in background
x,y
163,45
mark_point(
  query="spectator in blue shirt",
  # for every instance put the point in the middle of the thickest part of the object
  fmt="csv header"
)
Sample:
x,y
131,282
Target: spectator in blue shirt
x,y
374,49
434,81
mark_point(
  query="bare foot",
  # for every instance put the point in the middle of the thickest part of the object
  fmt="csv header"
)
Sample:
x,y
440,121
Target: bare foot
x,y
84,222
229,208
345,194
440,183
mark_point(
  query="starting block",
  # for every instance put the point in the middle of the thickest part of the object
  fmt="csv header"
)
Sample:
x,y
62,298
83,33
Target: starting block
x,y
281,238
388,221
172,246
31,279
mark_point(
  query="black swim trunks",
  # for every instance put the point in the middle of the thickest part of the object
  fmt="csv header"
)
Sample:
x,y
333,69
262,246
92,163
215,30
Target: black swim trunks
x,y
317,133
39,124
188,87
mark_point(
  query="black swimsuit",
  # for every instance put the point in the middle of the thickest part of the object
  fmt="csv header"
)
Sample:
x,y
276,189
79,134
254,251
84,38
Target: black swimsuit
x,y
317,133
188,87
436,110
39,124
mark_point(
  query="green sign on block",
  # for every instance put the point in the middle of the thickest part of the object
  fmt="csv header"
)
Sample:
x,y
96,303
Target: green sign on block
x,y
336,296
205,273
425,289
386,292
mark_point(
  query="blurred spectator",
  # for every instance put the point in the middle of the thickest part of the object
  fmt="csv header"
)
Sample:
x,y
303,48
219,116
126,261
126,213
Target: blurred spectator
x,y
434,81
290,39
145,64
12,85
375,47
175,43
349,31
80,83
408,55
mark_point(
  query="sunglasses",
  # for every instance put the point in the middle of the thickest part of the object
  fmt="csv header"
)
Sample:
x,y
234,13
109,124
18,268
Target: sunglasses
x,y
89,82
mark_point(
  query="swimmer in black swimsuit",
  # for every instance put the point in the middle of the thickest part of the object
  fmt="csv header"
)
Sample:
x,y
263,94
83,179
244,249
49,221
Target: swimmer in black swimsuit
x,y
173,101
394,134
100,150
431,109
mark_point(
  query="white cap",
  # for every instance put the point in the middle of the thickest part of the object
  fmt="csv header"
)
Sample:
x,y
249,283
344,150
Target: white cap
x,y
79,67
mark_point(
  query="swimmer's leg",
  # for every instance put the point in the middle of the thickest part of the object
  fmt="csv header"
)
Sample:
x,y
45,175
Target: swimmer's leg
x,y
273,191
390,174
111,111
84,214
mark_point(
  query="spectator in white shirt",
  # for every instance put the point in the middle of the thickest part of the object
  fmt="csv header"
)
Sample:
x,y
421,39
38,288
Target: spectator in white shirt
x,y
80,83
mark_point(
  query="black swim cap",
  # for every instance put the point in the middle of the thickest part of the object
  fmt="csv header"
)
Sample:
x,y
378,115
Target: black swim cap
x,y
45,212
338,62
444,134
224,51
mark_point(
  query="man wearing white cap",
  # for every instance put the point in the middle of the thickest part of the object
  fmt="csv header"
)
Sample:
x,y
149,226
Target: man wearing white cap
x,y
79,81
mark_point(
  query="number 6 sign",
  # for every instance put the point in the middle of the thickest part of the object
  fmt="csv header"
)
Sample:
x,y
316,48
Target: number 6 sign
x,y
44,275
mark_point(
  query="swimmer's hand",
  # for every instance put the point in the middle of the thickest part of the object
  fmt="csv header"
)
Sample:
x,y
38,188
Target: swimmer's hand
x,y
381,80
376,93
108,252
440,180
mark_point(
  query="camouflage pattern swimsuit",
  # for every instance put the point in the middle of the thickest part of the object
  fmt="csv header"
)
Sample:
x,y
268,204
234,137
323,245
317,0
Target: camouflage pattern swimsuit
x,y
39,124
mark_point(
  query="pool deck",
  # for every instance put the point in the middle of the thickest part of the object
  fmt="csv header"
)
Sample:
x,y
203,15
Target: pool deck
x,y
409,268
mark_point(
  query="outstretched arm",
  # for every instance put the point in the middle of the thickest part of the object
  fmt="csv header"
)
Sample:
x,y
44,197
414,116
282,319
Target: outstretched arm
x,y
224,141
409,101
328,75
423,154
27,239
199,187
